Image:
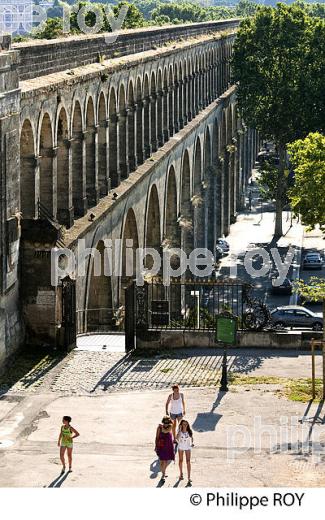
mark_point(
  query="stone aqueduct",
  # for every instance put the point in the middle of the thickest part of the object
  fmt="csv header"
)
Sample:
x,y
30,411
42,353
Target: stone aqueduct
x,y
147,146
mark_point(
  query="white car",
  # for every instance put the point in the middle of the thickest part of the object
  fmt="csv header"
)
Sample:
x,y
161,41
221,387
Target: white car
x,y
223,244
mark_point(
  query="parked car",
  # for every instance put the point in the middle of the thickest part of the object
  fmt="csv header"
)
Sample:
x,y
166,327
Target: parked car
x,y
218,253
284,288
312,260
295,316
268,156
223,244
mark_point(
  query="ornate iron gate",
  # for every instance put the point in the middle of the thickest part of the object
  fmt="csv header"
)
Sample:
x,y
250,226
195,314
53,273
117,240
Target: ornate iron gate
x,y
69,311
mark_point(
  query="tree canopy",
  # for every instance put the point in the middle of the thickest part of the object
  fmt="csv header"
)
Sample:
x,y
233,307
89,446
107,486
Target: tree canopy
x,y
308,193
278,63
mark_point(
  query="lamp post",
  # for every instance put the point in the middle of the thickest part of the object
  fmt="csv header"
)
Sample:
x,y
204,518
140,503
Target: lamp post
x,y
224,374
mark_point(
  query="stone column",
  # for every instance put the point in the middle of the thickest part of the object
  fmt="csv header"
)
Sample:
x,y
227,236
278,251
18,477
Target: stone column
x,y
185,100
226,194
171,109
131,125
139,132
180,103
146,127
30,167
189,98
47,184
78,149
220,182
165,114
153,121
103,178
64,184
176,106
160,130
194,94
123,144
114,171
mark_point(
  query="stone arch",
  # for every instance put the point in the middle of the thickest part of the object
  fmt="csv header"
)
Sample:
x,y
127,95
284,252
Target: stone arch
x,y
46,153
180,96
165,105
152,225
153,112
197,166
176,98
172,240
185,92
160,128
91,162
131,127
122,133
171,227
198,197
63,144
99,309
208,194
78,191
139,122
186,214
27,171
130,245
171,87
103,180
113,142
146,116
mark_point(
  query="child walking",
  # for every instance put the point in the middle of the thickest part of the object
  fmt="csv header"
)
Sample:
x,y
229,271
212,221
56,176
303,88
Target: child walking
x,y
67,434
185,444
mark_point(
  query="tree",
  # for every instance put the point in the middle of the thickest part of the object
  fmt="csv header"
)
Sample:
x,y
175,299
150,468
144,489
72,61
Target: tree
x,y
245,8
313,290
274,61
134,18
307,196
51,28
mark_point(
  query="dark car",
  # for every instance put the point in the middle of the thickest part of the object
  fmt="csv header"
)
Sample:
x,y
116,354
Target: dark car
x,y
294,316
223,244
284,288
218,253
312,260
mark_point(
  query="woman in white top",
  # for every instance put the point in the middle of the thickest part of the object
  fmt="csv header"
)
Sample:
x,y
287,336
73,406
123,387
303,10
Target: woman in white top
x,y
176,403
185,444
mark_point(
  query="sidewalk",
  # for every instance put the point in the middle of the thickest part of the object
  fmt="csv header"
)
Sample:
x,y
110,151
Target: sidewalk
x,y
254,229
116,443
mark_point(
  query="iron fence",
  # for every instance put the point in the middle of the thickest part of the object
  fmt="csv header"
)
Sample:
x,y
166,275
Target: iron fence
x,y
192,305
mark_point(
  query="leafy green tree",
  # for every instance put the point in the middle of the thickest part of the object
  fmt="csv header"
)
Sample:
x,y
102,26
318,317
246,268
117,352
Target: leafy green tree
x,y
313,290
51,28
245,8
307,196
134,18
273,62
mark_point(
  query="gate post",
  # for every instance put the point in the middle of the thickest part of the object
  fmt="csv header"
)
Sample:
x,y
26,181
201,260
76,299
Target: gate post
x,y
130,317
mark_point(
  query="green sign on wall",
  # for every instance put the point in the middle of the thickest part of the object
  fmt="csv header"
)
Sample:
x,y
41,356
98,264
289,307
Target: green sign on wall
x,y
226,330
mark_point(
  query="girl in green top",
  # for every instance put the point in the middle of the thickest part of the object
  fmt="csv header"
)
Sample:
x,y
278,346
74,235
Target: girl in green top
x,y
67,434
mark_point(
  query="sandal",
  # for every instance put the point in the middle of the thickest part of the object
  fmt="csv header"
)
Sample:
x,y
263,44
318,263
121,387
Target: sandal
x,y
181,477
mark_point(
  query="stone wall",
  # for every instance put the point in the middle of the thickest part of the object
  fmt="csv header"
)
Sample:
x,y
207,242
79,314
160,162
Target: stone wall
x,y
41,57
10,323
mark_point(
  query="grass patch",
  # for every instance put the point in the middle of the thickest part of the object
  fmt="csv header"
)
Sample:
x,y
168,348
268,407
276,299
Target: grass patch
x,y
299,390
166,370
239,379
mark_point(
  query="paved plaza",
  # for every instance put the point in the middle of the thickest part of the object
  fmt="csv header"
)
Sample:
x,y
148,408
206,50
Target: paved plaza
x,y
116,402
